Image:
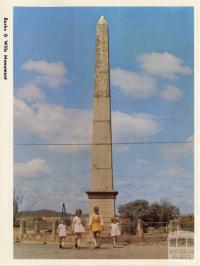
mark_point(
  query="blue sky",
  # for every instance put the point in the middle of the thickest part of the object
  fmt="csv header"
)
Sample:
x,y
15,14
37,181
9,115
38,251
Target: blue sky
x,y
151,62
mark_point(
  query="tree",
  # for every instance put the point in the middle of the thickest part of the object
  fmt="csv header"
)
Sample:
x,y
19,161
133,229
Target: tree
x,y
162,211
168,210
155,213
18,198
134,210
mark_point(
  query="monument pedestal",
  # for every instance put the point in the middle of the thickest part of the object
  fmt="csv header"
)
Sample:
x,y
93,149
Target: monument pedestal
x,y
105,200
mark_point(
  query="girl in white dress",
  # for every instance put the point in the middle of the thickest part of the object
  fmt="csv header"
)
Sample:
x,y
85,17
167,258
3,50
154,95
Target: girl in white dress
x,y
62,233
115,230
78,227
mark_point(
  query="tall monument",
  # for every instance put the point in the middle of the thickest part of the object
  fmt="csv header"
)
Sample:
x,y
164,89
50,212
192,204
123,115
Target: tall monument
x,y
101,191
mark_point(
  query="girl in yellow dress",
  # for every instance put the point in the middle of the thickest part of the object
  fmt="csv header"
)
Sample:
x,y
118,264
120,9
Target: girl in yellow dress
x,y
96,226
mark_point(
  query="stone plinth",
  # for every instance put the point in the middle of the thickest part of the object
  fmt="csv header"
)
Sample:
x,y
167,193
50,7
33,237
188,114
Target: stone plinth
x,y
106,203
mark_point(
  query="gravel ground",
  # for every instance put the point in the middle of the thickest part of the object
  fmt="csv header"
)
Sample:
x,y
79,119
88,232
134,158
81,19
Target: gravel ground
x,y
51,251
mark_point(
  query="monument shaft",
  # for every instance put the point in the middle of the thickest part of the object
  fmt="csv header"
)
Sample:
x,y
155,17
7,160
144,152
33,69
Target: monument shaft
x,y
102,139
101,192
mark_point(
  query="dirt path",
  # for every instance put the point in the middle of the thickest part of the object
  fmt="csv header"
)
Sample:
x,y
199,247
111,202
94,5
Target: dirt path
x,y
51,251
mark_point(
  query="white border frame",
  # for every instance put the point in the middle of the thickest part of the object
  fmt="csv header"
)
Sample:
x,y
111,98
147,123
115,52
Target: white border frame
x,y
6,135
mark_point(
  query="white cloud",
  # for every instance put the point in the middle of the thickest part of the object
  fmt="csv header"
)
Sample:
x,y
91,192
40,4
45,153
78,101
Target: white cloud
x,y
171,93
72,197
51,73
120,148
176,150
175,191
131,127
119,181
164,65
45,68
34,168
67,125
30,93
142,161
63,188
133,84
64,125
175,171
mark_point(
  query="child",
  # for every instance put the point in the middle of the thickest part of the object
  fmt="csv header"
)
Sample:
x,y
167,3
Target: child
x,y
115,230
77,227
96,225
62,233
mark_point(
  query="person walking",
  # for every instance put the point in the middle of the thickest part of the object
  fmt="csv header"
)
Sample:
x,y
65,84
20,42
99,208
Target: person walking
x,y
78,227
62,233
115,230
96,226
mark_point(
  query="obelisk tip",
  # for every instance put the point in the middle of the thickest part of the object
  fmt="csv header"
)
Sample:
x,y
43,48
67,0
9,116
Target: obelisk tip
x,y
102,20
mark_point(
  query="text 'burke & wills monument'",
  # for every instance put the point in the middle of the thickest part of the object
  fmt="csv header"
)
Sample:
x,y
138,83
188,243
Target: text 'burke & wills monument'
x,y
101,191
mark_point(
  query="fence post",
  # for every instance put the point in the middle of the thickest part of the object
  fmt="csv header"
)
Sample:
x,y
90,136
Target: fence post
x,y
139,230
36,227
53,233
178,224
22,229
170,226
54,228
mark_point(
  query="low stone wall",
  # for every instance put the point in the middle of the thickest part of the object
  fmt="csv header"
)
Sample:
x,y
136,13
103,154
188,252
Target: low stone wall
x,y
139,239
87,238
36,233
16,233
49,238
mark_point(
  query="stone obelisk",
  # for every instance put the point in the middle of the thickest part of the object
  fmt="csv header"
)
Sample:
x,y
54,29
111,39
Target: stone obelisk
x,y
101,191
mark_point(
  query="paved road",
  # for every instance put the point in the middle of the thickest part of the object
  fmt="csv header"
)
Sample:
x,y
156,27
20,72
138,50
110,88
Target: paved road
x,y
51,251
